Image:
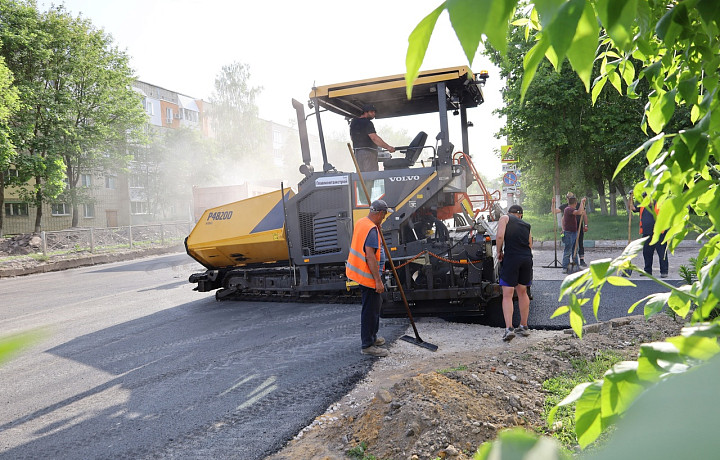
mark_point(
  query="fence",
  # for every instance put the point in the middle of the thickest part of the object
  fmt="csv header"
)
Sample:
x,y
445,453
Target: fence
x,y
97,240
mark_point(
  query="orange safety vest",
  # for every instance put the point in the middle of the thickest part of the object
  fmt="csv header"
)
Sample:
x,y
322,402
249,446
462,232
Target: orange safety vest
x,y
357,268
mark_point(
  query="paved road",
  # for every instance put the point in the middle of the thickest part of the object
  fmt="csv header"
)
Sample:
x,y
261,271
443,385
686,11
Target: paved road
x,y
136,365
133,364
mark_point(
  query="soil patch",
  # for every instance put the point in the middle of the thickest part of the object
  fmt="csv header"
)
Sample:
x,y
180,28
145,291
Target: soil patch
x,y
416,404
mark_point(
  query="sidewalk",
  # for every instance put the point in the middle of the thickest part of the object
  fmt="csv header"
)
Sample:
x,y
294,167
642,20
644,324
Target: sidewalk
x,y
29,266
544,258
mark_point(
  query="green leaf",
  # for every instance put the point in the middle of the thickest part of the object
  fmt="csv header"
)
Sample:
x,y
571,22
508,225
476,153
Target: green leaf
x,y
582,50
560,311
598,270
657,359
620,389
655,303
616,81
618,16
662,107
417,46
596,304
588,418
697,347
562,28
620,281
597,88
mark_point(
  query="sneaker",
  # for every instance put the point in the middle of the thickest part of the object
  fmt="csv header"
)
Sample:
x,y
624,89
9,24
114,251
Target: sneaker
x,y
663,275
582,263
508,335
523,330
372,350
564,271
380,341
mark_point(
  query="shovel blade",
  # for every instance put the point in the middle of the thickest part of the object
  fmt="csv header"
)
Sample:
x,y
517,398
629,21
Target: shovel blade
x,y
419,342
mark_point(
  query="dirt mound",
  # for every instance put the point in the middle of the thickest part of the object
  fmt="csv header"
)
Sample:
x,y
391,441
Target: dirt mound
x,y
27,243
400,413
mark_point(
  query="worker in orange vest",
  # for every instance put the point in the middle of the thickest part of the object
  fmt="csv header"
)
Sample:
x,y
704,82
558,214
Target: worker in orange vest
x,y
363,266
647,228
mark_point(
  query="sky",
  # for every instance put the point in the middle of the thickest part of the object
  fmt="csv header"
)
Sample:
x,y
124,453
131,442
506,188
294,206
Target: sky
x,y
290,46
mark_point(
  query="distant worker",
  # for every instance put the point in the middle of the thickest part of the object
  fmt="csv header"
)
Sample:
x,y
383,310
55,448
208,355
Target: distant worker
x,y
570,233
366,141
363,266
514,251
647,229
583,228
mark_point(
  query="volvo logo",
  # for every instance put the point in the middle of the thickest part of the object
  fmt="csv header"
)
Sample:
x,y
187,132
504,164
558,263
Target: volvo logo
x,y
403,178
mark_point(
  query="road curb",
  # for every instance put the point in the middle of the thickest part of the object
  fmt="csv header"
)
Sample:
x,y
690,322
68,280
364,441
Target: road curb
x,y
84,261
609,244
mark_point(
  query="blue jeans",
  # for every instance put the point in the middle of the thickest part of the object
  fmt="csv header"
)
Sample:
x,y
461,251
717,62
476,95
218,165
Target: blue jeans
x,y
568,240
369,316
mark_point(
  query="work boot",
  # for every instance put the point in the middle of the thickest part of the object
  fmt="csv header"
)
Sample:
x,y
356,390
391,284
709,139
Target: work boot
x,y
372,350
582,263
379,342
564,271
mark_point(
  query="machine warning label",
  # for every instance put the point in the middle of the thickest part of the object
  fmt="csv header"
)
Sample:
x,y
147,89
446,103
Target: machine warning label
x,y
332,181
224,215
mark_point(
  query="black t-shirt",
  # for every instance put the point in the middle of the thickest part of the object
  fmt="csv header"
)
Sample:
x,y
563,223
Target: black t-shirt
x,y
517,238
360,130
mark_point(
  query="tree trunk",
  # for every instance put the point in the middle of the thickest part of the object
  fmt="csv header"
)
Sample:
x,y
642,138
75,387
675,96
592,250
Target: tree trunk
x,y
2,201
38,205
600,186
613,199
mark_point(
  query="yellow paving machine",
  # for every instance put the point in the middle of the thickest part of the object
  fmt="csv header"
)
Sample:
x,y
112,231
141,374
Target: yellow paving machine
x,y
293,246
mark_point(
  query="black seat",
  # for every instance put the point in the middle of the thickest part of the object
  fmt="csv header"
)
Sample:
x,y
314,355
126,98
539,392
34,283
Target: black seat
x,y
412,153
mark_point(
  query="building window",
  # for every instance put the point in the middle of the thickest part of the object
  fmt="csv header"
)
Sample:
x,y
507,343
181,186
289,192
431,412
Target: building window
x,y
111,182
136,181
169,115
60,209
11,173
88,210
138,207
86,180
16,209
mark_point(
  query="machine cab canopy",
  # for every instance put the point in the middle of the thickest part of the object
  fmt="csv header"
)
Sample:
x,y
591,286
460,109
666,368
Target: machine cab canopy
x,y
388,94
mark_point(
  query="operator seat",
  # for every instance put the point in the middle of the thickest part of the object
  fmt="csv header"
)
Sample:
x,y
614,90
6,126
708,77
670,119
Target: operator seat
x,y
412,153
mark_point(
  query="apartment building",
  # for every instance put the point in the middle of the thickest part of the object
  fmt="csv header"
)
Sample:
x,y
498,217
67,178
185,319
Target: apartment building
x,y
131,197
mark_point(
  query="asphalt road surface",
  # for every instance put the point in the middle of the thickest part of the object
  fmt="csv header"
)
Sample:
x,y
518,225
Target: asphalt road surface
x,y
132,363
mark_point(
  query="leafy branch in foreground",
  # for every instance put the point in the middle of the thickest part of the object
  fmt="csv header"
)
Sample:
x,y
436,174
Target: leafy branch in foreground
x,y
673,48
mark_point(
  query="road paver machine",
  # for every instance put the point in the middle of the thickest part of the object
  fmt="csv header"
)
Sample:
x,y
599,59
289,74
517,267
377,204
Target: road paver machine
x,y
293,246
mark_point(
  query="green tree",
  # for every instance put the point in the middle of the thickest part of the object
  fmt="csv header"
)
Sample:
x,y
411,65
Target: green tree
x,y
557,131
77,108
677,47
8,104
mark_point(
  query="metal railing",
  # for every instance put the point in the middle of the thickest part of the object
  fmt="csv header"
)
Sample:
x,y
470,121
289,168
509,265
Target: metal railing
x,y
96,240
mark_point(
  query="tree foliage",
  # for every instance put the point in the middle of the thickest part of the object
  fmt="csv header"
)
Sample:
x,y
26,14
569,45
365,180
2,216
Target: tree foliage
x,y
8,105
77,107
673,47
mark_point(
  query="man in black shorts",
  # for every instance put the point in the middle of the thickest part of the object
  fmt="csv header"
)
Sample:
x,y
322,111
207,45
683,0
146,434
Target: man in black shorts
x,y
366,141
514,251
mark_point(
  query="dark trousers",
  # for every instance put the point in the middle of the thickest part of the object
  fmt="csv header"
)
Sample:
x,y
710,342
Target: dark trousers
x,y
369,316
581,245
649,250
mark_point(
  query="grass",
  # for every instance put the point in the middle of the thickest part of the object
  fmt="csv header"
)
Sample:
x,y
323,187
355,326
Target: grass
x,y
559,387
360,452
599,228
460,367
